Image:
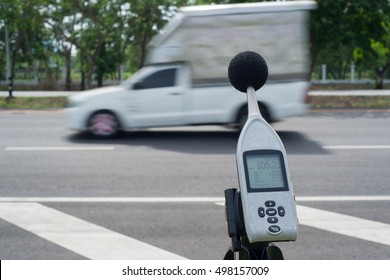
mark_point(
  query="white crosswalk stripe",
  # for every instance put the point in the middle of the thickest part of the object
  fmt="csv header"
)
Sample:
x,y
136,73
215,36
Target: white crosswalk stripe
x,y
344,224
96,242
84,238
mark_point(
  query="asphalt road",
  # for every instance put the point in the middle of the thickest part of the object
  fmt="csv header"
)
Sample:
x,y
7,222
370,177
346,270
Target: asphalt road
x,y
164,187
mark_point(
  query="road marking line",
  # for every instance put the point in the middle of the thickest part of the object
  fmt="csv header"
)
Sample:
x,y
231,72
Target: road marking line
x,y
84,238
96,242
344,224
356,147
114,199
343,198
95,148
182,199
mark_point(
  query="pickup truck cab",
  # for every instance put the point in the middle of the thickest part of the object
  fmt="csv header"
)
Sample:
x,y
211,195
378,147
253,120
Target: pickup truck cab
x,y
163,95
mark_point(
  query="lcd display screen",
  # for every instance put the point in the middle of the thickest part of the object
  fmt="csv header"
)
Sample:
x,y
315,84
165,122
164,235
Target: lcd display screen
x,y
265,171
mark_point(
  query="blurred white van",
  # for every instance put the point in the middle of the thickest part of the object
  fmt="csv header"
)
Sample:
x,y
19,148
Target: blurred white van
x,y
185,79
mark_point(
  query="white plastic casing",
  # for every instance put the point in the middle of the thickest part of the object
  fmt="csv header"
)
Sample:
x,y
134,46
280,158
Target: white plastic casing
x,y
257,134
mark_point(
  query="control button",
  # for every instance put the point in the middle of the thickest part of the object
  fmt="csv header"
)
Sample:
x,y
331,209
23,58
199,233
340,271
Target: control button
x,y
274,229
281,211
270,203
271,211
272,220
261,212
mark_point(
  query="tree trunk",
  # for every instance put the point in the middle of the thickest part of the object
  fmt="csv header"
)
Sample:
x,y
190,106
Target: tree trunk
x,y
68,70
99,80
91,67
82,84
379,78
143,49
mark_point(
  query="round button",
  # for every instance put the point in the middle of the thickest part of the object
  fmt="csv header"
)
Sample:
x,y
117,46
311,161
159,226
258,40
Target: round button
x,y
271,211
274,229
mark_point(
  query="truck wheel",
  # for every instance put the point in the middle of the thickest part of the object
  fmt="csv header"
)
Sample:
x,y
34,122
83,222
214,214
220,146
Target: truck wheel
x,y
243,115
264,112
103,124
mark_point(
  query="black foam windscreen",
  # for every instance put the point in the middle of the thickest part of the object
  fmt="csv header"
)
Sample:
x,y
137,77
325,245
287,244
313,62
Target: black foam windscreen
x,y
248,69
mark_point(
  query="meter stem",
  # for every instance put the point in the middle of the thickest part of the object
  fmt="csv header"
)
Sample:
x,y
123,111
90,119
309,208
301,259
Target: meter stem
x,y
253,107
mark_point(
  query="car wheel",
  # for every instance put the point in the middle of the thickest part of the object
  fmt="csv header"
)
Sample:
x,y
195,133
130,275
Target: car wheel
x,y
103,124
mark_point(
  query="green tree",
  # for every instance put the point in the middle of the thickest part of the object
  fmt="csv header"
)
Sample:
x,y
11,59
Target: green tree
x,y
151,16
61,21
29,40
104,31
86,25
338,28
377,57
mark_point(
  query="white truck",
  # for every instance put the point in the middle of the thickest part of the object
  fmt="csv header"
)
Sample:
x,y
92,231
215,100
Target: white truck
x,y
185,79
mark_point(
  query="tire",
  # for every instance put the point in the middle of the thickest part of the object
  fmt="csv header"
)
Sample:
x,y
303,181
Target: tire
x,y
103,124
243,115
265,113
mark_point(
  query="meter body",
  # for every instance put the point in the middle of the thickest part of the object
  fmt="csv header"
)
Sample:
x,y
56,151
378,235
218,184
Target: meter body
x,y
268,202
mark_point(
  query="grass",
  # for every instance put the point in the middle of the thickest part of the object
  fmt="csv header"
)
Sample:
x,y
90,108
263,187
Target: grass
x,y
349,102
33,102
315,102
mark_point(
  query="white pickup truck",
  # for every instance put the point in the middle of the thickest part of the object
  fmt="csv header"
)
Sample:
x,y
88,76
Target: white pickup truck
x,y
185,80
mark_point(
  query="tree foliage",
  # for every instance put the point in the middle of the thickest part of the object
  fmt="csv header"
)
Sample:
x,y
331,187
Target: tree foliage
x,y
106,34
348,30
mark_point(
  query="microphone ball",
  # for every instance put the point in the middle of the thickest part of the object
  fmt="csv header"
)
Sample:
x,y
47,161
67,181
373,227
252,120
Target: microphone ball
x,y
247,69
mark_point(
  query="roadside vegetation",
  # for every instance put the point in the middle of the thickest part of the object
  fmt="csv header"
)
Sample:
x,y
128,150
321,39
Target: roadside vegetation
x,y
315,102
74,44
349,102
77,44
33,103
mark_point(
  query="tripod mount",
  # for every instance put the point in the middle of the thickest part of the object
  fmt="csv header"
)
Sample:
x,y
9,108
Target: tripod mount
x,y
240,248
